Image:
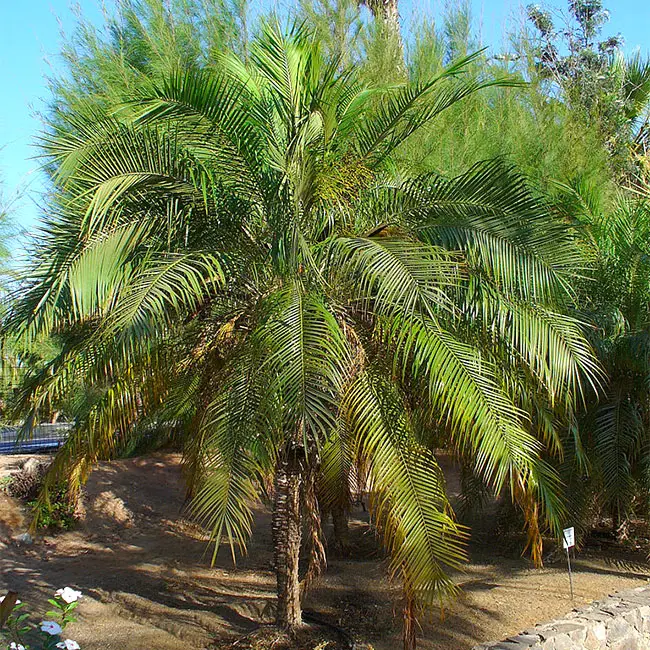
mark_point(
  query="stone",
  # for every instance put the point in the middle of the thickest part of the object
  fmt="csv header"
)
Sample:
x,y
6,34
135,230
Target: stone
x,y
563,642
525,639
644,614
598,616
596,637
631,642
579,636
546,631
24,539
616,606
566,627
618,629
636,597
633,619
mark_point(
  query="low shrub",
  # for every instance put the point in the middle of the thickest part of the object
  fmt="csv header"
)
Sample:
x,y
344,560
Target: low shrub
x,y
58,512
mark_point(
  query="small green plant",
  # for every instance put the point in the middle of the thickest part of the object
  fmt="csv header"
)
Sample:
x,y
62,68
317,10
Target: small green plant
x,y
57,513
17,630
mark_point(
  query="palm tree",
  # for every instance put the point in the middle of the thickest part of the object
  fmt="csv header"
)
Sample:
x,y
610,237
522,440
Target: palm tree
x,y
236,253
612,447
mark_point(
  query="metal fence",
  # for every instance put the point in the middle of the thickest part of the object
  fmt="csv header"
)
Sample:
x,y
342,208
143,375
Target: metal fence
x,y
44,438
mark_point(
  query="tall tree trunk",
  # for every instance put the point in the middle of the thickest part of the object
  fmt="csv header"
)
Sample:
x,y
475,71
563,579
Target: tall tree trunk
x,y
287,535
340,519
387,11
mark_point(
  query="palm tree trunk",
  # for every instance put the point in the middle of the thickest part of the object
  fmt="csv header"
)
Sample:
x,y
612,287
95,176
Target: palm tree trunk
x,y
287,536
340,520
387,11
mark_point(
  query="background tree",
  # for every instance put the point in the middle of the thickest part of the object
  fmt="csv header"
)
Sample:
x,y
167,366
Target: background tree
x,y
387,19
605,467
10,358
593,76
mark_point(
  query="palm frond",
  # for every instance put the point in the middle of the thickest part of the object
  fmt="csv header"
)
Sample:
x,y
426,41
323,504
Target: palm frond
x,y
164,288
308,360
485,424
229,465
408,495
551,344
506,232
338,475
387,274
618,431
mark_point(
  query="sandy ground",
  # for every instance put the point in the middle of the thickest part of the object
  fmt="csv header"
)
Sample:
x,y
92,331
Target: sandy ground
x,y
148,584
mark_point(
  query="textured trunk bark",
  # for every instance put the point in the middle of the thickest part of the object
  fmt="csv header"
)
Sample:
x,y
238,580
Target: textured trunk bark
x,y
388,12
287,538
340,520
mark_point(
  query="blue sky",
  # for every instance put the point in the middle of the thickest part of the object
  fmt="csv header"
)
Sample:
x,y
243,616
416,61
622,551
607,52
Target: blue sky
x,y
31,37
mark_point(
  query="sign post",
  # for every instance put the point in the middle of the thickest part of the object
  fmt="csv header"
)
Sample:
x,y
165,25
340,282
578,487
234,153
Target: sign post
x,y
569,541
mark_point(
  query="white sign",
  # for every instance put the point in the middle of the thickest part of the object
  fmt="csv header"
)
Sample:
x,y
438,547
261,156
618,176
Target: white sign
x,y
568,537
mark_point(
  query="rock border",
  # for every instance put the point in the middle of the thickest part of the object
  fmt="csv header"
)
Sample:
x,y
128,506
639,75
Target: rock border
x,y
619,622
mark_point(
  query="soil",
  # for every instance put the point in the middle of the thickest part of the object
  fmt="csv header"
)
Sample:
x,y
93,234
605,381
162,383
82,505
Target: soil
x,y
147,581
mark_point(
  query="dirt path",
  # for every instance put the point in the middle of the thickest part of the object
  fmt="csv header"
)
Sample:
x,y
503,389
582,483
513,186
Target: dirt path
x,y
148,582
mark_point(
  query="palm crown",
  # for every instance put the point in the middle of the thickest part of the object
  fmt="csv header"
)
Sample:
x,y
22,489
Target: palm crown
x,y
237,251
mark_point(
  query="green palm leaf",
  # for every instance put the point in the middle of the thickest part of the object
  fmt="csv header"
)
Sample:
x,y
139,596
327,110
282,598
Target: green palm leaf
x,y
386,274
308,359
506,232
618,431
229,465
164,288
408,495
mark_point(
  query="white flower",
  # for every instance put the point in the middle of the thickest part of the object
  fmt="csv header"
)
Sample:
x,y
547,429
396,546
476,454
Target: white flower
x,y
51,627
2,600
68,594
16,646
68,644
